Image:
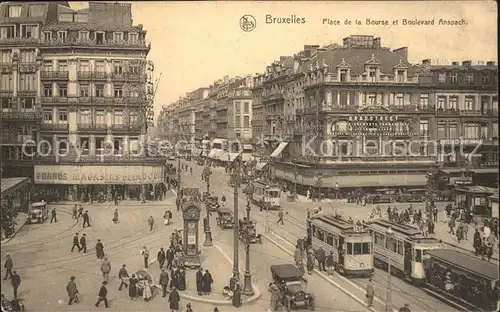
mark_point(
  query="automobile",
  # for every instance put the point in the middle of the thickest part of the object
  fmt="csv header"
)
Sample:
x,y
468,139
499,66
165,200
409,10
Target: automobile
x,y
382,196
245,226
291,283
413,195
212,203
171,157
225,218
38,212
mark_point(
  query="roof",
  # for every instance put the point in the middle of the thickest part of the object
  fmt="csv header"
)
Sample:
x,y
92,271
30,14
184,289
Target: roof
x,y
10,183
225,210
462,68
466,262
286,271
477,189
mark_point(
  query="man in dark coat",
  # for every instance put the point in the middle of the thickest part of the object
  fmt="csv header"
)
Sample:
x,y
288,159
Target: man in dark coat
x,y
80,212
83,243
207,282
321,257
161,257
174,277
163,281
16,282
99,249
199,281
86,218
174,299
236,299
54,215
72,290
477,242
103,292
8,265
76,243
123,276
170,257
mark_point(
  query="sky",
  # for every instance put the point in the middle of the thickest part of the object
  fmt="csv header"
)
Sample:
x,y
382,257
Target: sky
x,y
196,43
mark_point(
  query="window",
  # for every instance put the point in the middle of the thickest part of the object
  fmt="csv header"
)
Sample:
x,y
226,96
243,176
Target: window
x,y
133,37
99,67
361,248
6,56
424,128
453,131
63,66
84,66
13,11
7,32
85,117
118,68
494,131
471,131
62,144
47,90
117,36
424,100
401,248
47,66
28,56
453,103
469,78
84,143
35,10
118,118
399,99
246,107
100,118
401,76
118,93
62,115
29,31
99,90
99,143
134,70
237,121
441,131
84,91
441,102
349,248
237,107
99,37
246,121
28,103
441,78
379,239
63,90
454,78
47,115
27,81
329,239
390,244
47,36
61,35
484,132
84,35
117,145
6,82
469,103
6,103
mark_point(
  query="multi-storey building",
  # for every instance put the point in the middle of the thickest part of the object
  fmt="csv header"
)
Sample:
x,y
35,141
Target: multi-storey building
x,y
364,120
95,92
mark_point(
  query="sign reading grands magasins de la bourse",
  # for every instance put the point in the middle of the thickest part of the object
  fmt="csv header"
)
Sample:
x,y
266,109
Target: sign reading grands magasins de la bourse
x,y
66,174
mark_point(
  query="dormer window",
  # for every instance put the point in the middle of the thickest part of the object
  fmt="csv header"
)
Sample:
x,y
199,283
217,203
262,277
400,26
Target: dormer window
x,y
13,11
441,78
133,37
400,74
99,37
29,31
61,35
469,78
454,78
118,36
84,35
47,36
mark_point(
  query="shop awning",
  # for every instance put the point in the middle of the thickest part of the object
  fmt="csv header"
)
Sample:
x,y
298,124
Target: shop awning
x,y
247,157
277,152
485,170
451,170
260,165
228,156
370,181
9,184
218,141
215,153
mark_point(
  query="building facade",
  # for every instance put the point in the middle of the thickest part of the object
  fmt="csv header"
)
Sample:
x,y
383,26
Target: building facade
x,y
95,94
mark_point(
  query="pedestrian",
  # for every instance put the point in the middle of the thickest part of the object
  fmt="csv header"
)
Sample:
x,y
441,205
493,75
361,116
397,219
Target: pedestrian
x,y
477,242
310,261
330,266
181,278
199,281
8,265
72,291
103,293
163,281
170,257
80,211
465,229
161,257
75,211
86,219
174,277
275,296
132,288
54,215
207,283
321,257
15,280
123,276
99,249
83,243
216,309
151,222
145,255
76,243
451,225
105,269
280,217
115,216
166,219
236,299
370,293
147,292
406,308
173,299
188,308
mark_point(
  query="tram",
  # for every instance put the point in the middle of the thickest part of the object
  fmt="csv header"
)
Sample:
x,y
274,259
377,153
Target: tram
x,y
350,244
266,196
405,250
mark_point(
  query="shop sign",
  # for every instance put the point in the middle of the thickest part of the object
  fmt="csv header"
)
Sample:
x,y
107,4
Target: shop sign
x,y
85,175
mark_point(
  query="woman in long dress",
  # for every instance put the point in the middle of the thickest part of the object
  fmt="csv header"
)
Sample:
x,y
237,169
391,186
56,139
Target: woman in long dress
x,y
148,291
115,216
99,249
174,277
173,299
132,287
182,280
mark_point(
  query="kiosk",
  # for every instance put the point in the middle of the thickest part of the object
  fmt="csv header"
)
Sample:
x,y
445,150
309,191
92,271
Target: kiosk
x,y
191,215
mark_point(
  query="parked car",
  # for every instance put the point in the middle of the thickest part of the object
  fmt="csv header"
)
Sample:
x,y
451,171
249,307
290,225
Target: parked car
x,y
290,282
38,212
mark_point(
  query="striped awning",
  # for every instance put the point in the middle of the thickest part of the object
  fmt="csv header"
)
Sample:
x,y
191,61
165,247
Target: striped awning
x,y
215,153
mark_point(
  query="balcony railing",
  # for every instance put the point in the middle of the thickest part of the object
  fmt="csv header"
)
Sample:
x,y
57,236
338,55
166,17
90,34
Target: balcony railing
x,y
15,139
474,112
55,99
55,126
92,127
412,108
54,75
118,76
104,158
140,44
18,41
127,127
92,75
21,114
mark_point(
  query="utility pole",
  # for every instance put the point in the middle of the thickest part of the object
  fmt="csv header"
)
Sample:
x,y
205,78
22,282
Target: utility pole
x,y
178,177
236,181
247,287
208,233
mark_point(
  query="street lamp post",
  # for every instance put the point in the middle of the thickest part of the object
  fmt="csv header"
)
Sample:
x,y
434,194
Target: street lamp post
x,y
178,177
389,233
268,228
236,181
247,287
208,233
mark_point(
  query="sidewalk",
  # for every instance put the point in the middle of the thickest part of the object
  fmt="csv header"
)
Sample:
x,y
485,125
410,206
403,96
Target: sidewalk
x,y
127,202
21,220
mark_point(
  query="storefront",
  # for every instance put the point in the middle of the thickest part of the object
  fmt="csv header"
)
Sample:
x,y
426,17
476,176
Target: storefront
x,y
16,194
475,199
494,205
97,182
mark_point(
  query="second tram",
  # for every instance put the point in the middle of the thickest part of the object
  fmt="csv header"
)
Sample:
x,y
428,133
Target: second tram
x,y
266,196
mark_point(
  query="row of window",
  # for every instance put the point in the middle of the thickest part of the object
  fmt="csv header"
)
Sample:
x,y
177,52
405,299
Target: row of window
x,y
246,107
25,56
25,32
470,131
246,121
390,243
34,10
101,144
85,117
333,239
25,103
453,78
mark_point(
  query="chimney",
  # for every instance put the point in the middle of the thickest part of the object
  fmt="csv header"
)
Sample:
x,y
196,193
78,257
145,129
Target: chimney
x,y
403,52
226,79
466,63
310,49
454,63
376,43
490,63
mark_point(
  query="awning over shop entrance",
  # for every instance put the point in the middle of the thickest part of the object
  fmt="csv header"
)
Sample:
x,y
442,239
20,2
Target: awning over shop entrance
x,y
247,157
228,156
12,184
277,152
260,165
370,181
215,153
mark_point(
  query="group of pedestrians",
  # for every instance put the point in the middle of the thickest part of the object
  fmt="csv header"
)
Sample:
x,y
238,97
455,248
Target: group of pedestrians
x,y
10,273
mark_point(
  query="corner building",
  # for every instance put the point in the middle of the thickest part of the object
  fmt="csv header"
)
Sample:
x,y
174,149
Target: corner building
x,y
94,95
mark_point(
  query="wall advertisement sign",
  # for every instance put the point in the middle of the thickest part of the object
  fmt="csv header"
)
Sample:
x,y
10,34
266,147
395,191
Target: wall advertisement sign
x,y
85,175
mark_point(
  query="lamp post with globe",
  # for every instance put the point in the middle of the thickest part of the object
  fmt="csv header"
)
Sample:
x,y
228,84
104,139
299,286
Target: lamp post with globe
x,y
247,287
208,233
389,235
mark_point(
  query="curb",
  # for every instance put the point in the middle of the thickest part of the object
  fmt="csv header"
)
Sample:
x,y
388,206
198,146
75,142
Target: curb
x,y
323,276
6,240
